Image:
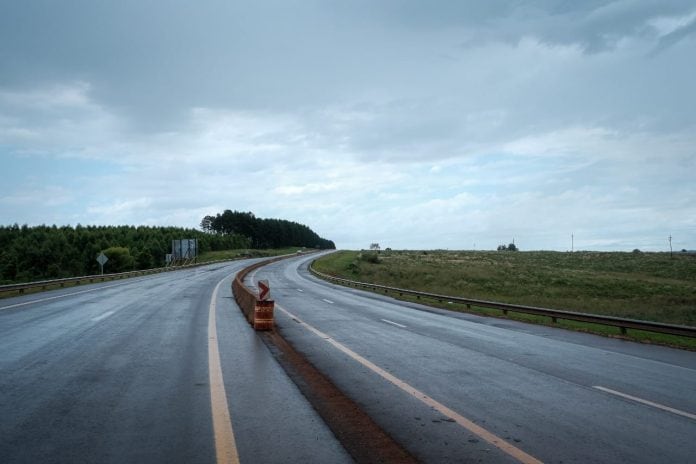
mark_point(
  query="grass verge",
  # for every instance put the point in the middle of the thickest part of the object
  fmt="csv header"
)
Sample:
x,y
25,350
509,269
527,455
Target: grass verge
x,y
645,286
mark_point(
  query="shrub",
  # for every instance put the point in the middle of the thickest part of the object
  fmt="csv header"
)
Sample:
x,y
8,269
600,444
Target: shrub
x,y
372,258
120,260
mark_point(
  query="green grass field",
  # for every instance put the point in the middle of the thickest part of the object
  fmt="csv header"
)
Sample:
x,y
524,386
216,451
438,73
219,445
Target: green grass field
x,y
646,286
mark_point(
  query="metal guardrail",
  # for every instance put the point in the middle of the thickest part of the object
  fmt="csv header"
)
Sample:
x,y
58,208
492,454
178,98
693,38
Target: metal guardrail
x,y
554,314
44,284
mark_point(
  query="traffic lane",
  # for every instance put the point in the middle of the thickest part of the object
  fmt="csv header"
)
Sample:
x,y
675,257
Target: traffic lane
x,y
129,388
549,418
39,320
649,378
57,293
94,365
668,384
273,422
329,312
591,363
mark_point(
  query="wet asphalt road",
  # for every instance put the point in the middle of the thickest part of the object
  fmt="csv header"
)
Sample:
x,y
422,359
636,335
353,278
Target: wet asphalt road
x,y
553,394
118,372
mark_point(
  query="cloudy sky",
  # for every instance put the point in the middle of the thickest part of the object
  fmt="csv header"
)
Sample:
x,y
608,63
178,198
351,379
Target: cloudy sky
x,y
444,124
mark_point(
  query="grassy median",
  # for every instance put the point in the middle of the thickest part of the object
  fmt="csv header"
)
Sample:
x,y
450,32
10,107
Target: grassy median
x,y
645,286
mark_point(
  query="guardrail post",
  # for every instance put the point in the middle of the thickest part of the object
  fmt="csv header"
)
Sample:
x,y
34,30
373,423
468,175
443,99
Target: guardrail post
x,y
624,331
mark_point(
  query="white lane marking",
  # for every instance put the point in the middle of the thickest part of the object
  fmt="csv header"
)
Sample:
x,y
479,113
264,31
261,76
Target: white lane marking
x,y
328,301
646,402
252,277
393,323
300,290
62,296
225,443
103,316
484,434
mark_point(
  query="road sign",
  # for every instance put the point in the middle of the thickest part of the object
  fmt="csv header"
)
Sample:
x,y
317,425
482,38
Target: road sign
x,y
185,249
102,259
264,290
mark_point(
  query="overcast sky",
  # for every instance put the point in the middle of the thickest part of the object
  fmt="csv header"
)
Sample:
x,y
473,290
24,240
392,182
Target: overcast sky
x,y
414,124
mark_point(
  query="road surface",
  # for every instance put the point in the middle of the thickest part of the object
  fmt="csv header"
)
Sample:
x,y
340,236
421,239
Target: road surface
x,y
454,387
119,372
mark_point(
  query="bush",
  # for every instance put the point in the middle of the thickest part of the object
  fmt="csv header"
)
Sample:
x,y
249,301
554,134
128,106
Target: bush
x,y
120,260
372,258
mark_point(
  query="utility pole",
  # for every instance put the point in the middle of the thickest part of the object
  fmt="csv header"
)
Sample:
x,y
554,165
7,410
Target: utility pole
x,y
670,246
572,243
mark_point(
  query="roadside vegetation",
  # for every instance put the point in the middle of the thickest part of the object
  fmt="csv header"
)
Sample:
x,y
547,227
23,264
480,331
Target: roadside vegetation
x,y
31,253
645,286
245,253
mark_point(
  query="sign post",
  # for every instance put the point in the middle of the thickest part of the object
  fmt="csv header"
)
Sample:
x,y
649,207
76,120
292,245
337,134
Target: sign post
x,y
102,259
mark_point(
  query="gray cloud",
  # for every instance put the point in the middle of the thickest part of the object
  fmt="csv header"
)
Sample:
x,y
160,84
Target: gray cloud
x,y
512,117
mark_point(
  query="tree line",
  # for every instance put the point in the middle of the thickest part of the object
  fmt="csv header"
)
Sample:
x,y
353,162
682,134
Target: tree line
x,y
48,252
264,233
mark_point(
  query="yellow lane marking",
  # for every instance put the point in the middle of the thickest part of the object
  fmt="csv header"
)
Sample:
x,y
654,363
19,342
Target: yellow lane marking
x,y
646,402
482,433
225,445
65,295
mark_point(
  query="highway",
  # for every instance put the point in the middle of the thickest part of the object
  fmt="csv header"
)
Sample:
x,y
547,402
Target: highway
x,y
164,368
119,372
454,387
